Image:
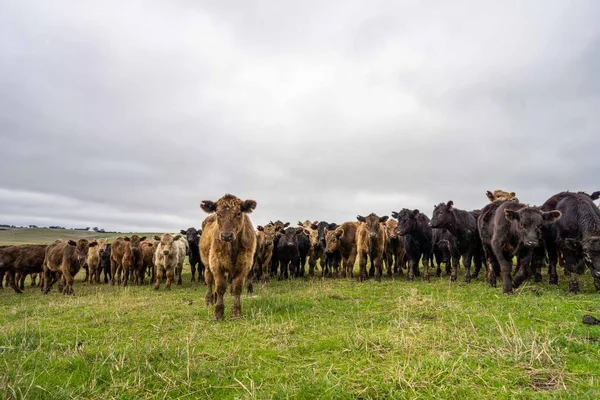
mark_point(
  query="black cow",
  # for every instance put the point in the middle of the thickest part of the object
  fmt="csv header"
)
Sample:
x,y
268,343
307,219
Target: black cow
x,y
514,230
287,252
332,260
414,227
463,226
279,226
576,235
303,250
193,238
444,251
105,263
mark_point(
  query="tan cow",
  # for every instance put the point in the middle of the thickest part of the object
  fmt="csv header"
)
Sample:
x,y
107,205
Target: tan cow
x,y
93,260
501,195
370,243
227,246
395,252
265,242
168,258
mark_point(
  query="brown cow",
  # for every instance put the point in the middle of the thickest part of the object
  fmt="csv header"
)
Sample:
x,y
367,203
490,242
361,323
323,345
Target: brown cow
x,y
371,237
316,251
500,195
93,260
144,261
21,260
395,252
66,257
265,242
123,256
227,246
343,239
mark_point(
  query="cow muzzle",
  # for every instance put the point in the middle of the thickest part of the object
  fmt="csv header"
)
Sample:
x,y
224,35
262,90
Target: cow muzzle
x,y
227,236
290,244
269,242
532,243
166,252
373,235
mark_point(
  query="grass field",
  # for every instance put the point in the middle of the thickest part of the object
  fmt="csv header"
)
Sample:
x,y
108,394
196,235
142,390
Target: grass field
x,y
309,338
44,235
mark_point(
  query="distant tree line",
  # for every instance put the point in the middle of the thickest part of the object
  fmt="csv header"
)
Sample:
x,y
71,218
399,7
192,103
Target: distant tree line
x,y
95,229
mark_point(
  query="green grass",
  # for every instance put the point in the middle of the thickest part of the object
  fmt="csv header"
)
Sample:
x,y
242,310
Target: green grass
x,y
304,339
18,236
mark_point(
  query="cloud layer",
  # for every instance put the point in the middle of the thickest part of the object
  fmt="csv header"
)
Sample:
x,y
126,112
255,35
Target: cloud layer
x,y
126,115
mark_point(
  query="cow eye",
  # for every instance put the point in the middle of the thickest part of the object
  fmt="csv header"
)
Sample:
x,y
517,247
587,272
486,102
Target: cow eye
x,y
239,213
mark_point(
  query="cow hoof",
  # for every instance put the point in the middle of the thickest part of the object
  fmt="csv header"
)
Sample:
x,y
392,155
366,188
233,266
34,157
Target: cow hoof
x,y
508,293
452,278
410,278
553,280
468,279
538,278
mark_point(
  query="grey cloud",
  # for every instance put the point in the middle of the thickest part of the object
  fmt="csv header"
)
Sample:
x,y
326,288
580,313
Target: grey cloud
x,y
127,115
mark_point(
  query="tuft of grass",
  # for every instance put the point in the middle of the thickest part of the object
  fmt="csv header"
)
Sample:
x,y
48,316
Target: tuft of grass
x,y
310,338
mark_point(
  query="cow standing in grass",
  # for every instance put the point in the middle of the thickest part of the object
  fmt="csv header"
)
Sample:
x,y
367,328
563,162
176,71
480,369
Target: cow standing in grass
x,y
288,252
144,261
445,252
67,258
123,257
279,226
93,260
192,236
413,227
168,258
17,261
395,254
105,263
343,240
227,246
265,241
371,238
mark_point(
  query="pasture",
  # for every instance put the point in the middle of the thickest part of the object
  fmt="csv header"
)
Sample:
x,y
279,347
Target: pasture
x,y
308,338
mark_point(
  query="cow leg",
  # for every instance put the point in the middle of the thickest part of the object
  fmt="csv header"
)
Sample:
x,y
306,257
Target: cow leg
x,y
467,259
378,267
362,264
412,266
193,269
34,280
312,262
50,278
552,250
426,258
477,261
157,276
210,280
170,274
505,260
12,281
113,271
237,284
20,278
69,279
221,286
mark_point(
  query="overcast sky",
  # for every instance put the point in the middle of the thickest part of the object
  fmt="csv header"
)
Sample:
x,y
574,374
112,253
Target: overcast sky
x,y
126,114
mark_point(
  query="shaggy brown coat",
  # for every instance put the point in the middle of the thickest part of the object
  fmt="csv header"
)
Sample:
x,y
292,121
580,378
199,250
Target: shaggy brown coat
x,y
122,257
371,238
66,257
227,246
265,242
395,253
21,260
93,261
343,239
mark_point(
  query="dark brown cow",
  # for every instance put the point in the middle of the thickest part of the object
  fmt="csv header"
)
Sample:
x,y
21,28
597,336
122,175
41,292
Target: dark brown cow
x,y
371,238
227,246
123,257
265,242
93,261
144,261
23,260
343,239
66,257
395,252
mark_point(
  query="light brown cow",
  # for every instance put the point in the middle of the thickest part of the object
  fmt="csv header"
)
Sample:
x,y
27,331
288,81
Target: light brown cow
x,y
343,239
122,257
144,261
265,242
168,258
370,243
93,260
500,195
227,246
66,257
395,252
316,251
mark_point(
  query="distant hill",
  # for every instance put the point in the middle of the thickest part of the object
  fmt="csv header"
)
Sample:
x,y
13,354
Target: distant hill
x,y
46,235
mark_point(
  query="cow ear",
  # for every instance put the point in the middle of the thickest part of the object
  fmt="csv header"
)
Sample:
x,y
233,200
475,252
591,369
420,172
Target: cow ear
x,y
332,226
176,237
299,230
142,238
595,195
150,244
286,224
248,206
551,216
208,206
511,215
415,213
395,214
573,244
156,237
450,204
490,195
339,233
72,243
199,232
94,244
314,225
383,219
513,194
127,239
300,223
182,232
360,218
260,228
325,230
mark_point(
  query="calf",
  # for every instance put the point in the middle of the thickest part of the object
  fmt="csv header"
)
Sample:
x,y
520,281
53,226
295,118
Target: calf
x,y
66,257
513,230
193,238
93,260
105,263
22,260
444,252
279,226
265,242
329,262
123,257
413,227
370,243
576,235
342,240
394,249
288,252
144,261
168,258
227,246
463,226
316,250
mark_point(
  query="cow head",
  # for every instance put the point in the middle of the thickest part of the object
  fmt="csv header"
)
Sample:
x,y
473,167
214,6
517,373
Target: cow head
x,y
373,224
230,212
500,195
391,226
443,216
289,237
408,221
589,249
269,233
134,241
192,235
279,226
333,239
81,249
102,244
528,221
166,243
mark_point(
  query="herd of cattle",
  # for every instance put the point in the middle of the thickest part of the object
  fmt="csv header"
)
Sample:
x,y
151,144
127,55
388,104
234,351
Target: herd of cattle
x,y
565,230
